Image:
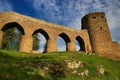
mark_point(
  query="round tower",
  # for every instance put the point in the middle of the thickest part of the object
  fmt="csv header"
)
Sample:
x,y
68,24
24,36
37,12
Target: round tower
x,y
98,30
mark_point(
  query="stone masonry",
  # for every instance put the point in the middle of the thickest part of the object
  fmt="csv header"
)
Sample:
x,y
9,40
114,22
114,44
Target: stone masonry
x,y
93,37
99,34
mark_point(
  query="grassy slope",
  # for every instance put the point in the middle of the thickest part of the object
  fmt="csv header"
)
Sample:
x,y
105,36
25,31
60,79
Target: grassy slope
x,y
17,66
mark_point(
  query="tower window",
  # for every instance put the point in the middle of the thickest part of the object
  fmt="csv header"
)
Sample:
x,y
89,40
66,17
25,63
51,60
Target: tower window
x,y
102,16
94,17
100,28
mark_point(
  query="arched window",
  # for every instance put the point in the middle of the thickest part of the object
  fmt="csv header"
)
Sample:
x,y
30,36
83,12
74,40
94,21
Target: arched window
x,y
80,45
62,41
12,36
40,38
77,45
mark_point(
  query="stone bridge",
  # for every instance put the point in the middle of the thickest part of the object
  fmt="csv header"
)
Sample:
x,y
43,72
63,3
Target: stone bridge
x,y
29,26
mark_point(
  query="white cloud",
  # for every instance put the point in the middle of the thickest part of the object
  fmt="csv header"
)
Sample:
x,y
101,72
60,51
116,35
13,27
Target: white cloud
x,y
112,10
113,15
88,1
5,6
61,45
114,24
76,24
42,42
47,5
61,48
70,12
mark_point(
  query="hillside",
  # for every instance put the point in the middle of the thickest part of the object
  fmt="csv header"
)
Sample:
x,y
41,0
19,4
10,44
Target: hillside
x,y
57,66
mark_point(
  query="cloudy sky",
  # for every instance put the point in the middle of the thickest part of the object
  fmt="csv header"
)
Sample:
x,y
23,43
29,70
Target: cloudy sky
x,y
67,12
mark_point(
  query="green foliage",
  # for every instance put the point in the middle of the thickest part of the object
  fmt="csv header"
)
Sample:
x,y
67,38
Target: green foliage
x,y
36,41
26,66
11,39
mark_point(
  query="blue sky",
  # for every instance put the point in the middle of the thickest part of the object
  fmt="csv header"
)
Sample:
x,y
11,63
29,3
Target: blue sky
x,y
67,12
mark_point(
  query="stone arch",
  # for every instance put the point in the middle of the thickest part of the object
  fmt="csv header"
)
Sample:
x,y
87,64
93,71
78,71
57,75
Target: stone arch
x,y
81,43
13,24
42,32
65,38
46,36
12,41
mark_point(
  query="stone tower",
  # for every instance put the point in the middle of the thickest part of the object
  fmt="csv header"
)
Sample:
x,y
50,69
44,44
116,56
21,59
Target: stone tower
x,y
98,30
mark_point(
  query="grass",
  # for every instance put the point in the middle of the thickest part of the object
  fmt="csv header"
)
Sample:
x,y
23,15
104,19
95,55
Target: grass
x,y
20,65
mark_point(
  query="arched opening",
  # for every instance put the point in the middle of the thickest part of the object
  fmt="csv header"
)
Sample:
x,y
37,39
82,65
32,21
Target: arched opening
x,y
62,41
12,36
61,44
40,38
80,45
77,45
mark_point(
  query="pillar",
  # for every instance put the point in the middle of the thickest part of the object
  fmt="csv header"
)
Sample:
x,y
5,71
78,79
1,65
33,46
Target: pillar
x,y
1,36
51,45
26,43
88,49
71,46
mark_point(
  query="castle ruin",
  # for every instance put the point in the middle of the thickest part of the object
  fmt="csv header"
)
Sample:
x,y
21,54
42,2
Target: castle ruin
x,y
94,36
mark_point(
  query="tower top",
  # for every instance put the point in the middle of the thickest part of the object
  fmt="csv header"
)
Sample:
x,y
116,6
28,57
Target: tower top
x,y
91,19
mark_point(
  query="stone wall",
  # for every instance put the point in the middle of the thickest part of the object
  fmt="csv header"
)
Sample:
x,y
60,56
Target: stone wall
x,y
100,37
29,26
94,36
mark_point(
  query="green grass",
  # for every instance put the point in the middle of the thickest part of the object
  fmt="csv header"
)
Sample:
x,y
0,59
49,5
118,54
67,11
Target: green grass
x,y
24,66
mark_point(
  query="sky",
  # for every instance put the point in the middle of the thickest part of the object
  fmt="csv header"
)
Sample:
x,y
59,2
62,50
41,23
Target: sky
x,y
67,12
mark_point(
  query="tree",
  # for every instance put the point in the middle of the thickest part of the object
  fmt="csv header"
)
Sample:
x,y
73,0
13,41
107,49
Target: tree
x,y
36,41
11,39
